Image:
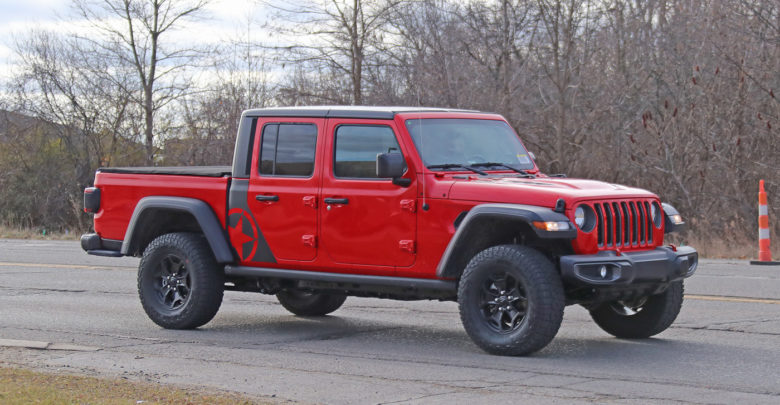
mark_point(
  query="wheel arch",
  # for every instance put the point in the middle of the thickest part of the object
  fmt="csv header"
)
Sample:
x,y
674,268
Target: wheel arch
x,y
489,225
158,215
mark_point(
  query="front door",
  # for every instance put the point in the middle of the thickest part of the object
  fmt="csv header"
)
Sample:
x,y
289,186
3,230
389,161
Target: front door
x,y
366,220
283,187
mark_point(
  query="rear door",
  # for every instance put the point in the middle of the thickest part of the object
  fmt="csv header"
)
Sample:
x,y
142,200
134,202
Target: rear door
x,y
283,186
365,220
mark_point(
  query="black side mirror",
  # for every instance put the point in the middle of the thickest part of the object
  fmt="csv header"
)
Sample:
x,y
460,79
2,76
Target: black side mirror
x,y
392,165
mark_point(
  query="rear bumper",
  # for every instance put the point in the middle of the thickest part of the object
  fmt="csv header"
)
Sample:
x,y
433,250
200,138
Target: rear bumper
x,y
93,244
606,269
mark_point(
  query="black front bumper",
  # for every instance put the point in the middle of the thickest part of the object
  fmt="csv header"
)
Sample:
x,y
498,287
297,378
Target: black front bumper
x,y
606,269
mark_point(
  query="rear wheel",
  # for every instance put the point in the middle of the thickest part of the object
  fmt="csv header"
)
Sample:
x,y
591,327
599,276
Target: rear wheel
x,y
640,318
309,303
511,300
179,281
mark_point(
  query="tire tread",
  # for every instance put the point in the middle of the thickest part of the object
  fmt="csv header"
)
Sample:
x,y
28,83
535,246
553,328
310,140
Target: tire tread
x,y
542,280
208,281
657,315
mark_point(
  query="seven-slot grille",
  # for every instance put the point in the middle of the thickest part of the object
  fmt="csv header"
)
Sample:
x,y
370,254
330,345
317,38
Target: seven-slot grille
x,y
624,223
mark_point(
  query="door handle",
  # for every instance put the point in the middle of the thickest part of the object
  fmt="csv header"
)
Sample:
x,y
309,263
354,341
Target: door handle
x,y
267,198
336,200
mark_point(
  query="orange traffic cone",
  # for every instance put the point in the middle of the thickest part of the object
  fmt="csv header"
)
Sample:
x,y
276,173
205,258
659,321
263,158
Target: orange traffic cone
x,y
764,254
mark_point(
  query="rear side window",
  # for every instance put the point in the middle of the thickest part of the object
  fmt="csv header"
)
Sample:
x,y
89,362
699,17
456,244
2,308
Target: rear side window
x,y
288,150
357,147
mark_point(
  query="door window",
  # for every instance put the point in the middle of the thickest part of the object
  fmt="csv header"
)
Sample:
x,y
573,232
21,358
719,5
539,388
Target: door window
x,y
357,147
288,150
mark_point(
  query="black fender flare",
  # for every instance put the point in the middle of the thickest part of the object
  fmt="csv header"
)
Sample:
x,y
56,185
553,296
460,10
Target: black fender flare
x,y
199,209
670,226
513,212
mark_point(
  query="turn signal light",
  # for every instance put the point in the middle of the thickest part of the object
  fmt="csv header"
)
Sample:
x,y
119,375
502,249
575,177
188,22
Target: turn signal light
x,y
552,226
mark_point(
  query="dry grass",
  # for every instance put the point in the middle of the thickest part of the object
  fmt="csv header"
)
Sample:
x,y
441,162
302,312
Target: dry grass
x,y
19,386
26,233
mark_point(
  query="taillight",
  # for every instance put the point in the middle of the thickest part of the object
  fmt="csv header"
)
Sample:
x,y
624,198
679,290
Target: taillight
x,y
91,199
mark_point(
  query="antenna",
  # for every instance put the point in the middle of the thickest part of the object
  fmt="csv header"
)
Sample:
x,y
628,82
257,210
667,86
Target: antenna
x,y
425,206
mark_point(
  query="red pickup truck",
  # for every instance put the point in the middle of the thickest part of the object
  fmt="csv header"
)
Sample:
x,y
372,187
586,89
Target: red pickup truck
x,y
393,202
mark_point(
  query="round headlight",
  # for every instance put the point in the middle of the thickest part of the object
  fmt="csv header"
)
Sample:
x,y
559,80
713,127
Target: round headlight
x,y
655,213
579,216
585,218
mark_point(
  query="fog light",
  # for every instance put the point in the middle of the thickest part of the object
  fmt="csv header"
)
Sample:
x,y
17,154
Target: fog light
x,y
600,273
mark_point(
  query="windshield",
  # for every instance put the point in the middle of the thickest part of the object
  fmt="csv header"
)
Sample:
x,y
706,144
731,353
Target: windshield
x,y
467,142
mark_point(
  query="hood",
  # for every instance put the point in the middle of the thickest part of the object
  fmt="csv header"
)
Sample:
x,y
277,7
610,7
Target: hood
x,y
541,191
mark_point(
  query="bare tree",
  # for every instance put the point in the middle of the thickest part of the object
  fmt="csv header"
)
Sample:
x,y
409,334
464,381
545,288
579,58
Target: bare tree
x,y
75,117
676,96
563,31
139,40
333,35
239,80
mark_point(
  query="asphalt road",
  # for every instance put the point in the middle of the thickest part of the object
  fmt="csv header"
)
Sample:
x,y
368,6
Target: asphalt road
x,y
724,347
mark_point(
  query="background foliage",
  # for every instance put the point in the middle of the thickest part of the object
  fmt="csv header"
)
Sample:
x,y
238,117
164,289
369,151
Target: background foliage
x,y
676,96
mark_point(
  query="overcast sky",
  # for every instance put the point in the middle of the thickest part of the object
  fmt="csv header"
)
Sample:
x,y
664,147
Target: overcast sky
x,y
223,19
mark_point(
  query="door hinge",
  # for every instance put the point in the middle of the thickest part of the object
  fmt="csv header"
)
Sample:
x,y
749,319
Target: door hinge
x,y
409,205
309,240
310,201
407,245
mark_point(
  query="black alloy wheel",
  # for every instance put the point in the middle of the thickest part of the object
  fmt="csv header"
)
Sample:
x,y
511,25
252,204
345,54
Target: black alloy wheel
x,y
179,281
511,300
504,302
173,287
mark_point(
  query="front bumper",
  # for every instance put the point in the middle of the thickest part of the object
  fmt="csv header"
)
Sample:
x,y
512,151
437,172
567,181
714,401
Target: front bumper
x,y
606,269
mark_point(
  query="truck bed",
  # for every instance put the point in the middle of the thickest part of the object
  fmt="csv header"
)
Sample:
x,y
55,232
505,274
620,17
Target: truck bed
x,y
122,189
202,171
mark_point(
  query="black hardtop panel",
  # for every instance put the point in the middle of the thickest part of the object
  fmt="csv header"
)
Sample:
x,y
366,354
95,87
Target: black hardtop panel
x,y
382,113
202,171
246,132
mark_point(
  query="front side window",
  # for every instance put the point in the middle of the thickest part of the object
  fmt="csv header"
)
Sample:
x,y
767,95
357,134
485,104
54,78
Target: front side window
x,y
467,142
357,147
288,150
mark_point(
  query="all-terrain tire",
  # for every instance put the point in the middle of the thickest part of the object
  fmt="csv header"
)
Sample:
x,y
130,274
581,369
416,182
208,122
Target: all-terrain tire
x,y
652,317
179,281
304,303
511,300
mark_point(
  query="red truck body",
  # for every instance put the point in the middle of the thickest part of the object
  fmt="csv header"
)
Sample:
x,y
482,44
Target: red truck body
x,y
405,228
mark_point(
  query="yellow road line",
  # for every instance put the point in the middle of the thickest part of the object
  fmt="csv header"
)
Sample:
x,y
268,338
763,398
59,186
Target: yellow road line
x,y
732,299
688,296
56,266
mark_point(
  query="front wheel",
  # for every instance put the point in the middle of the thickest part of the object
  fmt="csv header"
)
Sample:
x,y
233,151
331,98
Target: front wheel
x,y
179,281
511,300
305,303
641,318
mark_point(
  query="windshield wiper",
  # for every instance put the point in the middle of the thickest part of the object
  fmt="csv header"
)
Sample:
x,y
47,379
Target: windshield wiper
x,y
457,166
514,169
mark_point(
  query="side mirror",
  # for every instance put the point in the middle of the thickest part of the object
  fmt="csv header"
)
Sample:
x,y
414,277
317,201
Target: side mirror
x,y
392,165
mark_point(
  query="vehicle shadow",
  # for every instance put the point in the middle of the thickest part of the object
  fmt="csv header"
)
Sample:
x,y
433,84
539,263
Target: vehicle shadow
x,y
394,337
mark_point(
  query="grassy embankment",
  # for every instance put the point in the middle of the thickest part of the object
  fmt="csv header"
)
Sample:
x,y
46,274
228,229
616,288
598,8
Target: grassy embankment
x,y
24,233
18,386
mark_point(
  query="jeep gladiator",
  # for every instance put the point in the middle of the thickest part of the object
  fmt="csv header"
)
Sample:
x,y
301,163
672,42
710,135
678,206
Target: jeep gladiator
x,y
405,203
